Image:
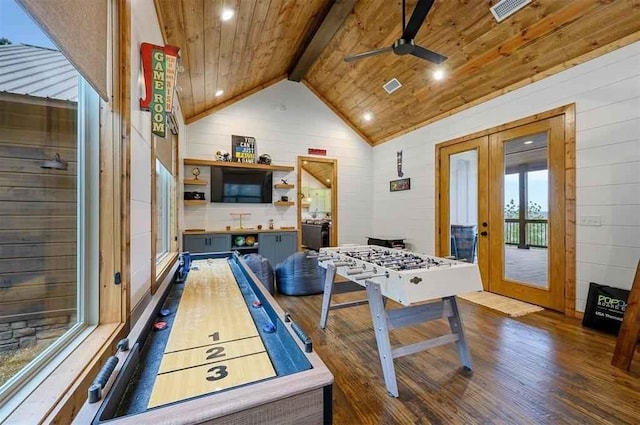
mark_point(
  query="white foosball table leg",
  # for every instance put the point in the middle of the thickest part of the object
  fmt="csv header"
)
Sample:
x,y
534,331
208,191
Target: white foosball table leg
x,y
385,321
331,288
379,316
328,289
455,322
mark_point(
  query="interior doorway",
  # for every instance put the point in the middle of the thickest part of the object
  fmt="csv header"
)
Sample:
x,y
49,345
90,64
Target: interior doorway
x,y
317,202
506,201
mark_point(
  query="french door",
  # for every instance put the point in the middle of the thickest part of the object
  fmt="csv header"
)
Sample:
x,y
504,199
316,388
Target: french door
x,y
502,206
526,213
464,211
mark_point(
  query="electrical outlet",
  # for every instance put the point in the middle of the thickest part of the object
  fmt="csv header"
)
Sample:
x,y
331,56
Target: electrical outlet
x,y
590,220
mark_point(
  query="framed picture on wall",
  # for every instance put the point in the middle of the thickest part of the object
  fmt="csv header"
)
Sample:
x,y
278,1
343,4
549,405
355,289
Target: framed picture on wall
x,y
398,185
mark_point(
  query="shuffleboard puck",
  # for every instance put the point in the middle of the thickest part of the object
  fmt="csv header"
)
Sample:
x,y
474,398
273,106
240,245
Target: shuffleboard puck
x,y
159,326
269,328
165,312
256,304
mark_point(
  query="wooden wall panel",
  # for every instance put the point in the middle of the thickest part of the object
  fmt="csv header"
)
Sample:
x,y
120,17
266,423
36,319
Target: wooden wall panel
x,y
38,223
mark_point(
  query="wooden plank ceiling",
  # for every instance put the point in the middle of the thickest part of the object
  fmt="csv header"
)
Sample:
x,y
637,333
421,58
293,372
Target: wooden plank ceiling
x,y
485,58
252,50
321,171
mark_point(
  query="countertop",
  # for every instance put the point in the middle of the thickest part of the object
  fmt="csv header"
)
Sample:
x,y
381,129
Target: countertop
x,y
245,231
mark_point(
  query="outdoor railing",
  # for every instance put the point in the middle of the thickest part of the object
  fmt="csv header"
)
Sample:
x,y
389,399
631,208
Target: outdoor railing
x,y
536,232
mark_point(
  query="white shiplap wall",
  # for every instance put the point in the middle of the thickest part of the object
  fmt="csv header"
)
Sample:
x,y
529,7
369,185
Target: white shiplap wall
x,y
144,28
606,92
286,119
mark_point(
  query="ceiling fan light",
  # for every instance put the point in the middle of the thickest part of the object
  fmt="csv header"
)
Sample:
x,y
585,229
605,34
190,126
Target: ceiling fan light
x,y
438,74
227,14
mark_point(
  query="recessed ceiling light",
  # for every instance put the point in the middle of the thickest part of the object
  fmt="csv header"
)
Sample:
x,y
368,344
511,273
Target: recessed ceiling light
x,y
328,180
219,93
528,142
304,162
438,74
368,116
227,14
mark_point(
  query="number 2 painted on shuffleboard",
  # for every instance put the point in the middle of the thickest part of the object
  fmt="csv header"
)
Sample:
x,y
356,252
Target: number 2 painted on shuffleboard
x,y
215,352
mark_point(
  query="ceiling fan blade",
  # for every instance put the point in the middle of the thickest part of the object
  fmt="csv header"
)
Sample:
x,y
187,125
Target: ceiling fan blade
x,y
417,18
367,54
423,53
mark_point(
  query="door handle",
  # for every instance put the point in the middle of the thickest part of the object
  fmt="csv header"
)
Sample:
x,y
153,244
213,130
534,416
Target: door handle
x,y
484,233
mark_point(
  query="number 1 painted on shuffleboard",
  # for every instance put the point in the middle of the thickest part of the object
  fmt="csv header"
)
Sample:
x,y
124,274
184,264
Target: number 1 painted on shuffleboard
x,y
215,336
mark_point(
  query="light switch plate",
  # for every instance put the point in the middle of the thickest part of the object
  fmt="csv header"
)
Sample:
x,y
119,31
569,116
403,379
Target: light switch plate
x,y
591,220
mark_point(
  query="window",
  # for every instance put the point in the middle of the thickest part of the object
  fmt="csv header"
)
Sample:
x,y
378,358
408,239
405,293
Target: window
x,y
48,217
165,202
49,203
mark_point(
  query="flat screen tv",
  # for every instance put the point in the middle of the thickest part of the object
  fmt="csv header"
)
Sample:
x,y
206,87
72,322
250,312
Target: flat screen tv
x,y
239,185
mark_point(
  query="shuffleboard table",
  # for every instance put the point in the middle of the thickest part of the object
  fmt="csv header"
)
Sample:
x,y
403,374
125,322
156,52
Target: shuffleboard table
x,y
228,355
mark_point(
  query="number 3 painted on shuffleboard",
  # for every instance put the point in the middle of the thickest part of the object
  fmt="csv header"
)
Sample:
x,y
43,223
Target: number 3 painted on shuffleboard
x,y
217,372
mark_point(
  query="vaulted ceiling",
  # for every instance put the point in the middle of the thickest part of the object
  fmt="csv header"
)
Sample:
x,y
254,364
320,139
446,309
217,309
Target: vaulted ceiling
x,y
266,38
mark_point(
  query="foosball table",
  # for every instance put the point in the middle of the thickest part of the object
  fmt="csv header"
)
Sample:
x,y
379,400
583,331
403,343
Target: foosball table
x,y
408,278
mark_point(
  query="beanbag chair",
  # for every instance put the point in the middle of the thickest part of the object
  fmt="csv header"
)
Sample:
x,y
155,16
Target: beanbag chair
x,y
300,274
261,267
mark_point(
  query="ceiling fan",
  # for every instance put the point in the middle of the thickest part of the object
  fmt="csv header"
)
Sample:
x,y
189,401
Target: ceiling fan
x,y
405,44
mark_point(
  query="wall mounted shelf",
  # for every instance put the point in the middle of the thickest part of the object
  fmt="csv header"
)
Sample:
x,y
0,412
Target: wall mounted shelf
x,y
198,182
283,186
193,161
195,202
283,203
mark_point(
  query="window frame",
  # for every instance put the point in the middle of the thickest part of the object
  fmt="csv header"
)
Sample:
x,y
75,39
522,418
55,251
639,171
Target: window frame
x,y
62,390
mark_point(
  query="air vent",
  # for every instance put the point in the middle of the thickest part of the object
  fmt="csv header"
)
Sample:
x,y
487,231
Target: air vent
x,y
505,8
392,85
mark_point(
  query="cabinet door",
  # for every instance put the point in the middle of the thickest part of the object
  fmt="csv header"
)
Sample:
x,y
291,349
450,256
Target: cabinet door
x,y
219,243
286,245
196,243
267,247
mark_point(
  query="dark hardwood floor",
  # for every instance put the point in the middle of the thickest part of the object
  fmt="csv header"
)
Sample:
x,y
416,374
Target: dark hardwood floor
x,y
542,368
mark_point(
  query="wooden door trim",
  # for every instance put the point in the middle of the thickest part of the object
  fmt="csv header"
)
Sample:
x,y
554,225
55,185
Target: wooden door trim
x,y
569,114
334,196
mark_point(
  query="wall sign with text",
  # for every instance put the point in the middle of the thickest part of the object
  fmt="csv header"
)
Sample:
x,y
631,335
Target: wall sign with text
x,y
243,149
159,64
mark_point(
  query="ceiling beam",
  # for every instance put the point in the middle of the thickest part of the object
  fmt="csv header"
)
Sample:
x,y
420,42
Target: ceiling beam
x,y
321,38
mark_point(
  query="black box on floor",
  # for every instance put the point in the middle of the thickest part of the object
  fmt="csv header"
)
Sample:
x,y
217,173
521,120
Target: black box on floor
x,y
605,308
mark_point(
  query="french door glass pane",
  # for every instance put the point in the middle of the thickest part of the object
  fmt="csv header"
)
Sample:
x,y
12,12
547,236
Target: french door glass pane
x,y
463,205
526,206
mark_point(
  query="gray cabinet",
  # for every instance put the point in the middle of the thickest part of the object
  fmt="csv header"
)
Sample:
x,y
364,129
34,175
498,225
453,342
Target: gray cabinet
x,y
277,246
206,243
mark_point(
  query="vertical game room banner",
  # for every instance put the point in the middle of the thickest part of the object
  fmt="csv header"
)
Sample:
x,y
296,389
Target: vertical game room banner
x,y
159,64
